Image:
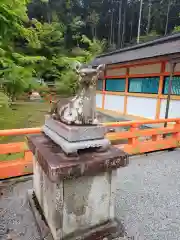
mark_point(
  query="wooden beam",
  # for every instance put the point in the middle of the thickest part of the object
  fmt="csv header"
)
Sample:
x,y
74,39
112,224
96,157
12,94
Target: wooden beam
x,y
126,91
137,63
160,90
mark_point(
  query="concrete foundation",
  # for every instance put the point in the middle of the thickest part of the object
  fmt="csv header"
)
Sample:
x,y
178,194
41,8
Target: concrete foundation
x,y
76,202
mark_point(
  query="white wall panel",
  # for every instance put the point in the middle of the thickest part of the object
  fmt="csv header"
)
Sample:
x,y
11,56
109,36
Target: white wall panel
x,y
99,100
141,106
174,108
177,67
114,103
116,72
151,68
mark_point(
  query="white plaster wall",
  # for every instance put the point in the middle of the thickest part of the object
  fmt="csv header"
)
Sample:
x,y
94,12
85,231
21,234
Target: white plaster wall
x,y
114,103
174,108
155,68
177,67
116,72
140,106
99,98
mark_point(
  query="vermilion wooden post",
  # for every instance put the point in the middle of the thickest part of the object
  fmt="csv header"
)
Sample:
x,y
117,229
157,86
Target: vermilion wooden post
x,y
161,82
154,137
134,141
176,135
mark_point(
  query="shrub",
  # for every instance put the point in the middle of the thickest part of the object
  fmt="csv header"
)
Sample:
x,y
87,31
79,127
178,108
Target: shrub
x,y
4,100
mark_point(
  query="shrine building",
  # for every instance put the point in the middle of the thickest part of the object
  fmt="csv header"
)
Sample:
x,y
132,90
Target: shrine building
x,y
136,79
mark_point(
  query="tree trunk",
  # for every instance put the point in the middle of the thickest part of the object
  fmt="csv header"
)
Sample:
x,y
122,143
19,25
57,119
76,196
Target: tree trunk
x,y
167,17
149,16
131,26
139,24
113,40
95,31
124,24
48,13
119,24
92,30
111,29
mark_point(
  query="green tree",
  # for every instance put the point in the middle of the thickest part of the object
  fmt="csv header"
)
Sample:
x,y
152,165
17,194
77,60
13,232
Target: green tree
x,y
176,29
16,67
149,37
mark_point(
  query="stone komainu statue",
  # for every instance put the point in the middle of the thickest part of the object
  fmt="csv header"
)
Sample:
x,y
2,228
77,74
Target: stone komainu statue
x,y
81,110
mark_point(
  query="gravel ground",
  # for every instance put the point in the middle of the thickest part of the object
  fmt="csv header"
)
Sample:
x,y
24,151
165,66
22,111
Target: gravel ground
x,y
16,219
148,196
147,201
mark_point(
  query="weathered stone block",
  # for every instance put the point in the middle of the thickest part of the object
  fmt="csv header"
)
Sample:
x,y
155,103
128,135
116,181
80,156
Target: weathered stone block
x,y
74,133
74,147
76,194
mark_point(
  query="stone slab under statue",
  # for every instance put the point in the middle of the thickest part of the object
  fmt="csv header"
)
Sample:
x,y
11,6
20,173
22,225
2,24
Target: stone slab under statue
x,y
74,126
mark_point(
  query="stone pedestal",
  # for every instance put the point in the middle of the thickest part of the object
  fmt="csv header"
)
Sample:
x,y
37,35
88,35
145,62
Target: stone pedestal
x,y
72,138
75,194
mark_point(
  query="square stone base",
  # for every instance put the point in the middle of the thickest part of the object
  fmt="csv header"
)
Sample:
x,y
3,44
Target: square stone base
x,y
74,205
108,230
74,147
75,194
74,133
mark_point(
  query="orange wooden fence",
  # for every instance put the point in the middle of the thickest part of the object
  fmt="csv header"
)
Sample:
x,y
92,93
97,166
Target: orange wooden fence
x,y
159,137
136,142
17,167
22,165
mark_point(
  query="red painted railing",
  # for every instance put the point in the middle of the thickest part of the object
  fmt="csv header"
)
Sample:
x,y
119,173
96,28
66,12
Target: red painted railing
x,y
21,131
23,164
136,142
147,140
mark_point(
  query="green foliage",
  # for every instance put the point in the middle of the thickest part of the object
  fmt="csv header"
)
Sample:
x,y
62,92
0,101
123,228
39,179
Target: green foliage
x,y
51,37
67,84
15,80
4,100
77,24
27,60
13,17
176,29
17,71
43,39
32,49
60,60
149,37
95,46
43,90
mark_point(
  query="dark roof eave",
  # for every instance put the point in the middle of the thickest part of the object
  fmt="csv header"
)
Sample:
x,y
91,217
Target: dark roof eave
x,y
154,53
153,42
109,63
